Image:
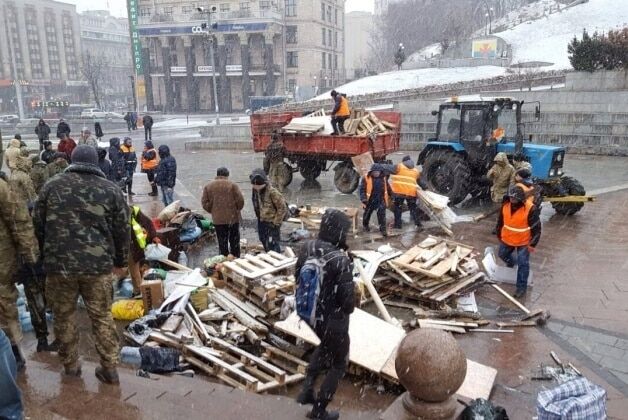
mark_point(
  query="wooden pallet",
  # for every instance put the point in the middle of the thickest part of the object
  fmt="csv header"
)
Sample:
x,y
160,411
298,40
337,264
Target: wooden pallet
x,y
255,267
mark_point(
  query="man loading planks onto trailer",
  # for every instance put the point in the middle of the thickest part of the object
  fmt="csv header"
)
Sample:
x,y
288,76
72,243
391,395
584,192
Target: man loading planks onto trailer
x,y
340,113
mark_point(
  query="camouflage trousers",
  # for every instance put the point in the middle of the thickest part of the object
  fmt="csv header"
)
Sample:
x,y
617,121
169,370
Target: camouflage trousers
x,y
62,292
276,175
9,321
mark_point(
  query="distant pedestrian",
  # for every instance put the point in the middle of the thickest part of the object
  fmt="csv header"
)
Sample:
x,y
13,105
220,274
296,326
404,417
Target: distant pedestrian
x,y
98,131
334,306
87,138
500,174
130,163
375,195
117,160
134,120
43,133
148,127
519,230
63,128
275,153
48,154
104,164
149,162
340,113
17,244
82,222
523,179
129,121
166,174
224,201
519,162
270,209
11,406
66,145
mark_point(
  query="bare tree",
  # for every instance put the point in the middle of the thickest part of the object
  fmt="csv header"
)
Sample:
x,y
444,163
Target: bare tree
x,y
93,70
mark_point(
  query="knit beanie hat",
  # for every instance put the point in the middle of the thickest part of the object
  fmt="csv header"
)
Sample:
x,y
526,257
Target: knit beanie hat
x,y
85,154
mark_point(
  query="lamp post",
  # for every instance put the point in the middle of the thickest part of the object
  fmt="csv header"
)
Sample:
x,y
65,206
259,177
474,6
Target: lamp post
x,y
134,92
489,15
208,25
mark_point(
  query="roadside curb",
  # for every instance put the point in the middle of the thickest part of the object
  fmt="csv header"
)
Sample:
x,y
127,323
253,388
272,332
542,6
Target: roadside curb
x,y
218,144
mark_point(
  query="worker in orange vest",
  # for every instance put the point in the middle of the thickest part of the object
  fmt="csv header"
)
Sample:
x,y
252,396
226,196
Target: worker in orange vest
x,y
404,183
150,160
340,113
523,179
375,195
518,229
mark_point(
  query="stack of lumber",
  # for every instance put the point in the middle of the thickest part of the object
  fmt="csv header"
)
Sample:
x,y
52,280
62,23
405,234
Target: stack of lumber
x,y
362,123
307,125
434,272
263,280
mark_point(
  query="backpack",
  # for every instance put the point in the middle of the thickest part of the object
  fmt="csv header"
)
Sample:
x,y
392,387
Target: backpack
x,y
309,284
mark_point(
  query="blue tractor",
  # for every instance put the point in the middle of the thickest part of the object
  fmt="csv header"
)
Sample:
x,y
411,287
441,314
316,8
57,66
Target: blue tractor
x,y
471,131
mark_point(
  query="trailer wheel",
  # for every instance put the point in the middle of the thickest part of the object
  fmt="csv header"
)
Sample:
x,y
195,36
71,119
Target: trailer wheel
x,y
570,186
447,173
346,178
310,169
287,174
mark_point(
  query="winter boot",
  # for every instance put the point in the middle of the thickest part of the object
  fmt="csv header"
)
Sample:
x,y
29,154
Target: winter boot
x,y
154,193
20,363
107,375
73,369
306,396
42,345
319,412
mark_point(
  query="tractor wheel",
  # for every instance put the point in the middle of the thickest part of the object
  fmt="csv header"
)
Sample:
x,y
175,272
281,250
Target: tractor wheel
x,y
448,173
346,178
570,186
309,169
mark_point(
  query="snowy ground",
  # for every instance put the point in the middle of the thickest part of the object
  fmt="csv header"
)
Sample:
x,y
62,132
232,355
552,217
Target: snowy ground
x,y
546,39
411,79
195,121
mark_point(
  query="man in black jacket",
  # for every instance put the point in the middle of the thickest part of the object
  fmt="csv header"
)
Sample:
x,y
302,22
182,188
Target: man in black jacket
x,y
166,174
63,128
43,133
148,127
335,305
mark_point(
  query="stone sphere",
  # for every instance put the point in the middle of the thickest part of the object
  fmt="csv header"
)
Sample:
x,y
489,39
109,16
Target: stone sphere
x,y
430,364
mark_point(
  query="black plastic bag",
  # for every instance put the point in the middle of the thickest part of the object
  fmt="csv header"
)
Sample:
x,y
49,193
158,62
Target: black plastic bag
x,y
481,409
159,359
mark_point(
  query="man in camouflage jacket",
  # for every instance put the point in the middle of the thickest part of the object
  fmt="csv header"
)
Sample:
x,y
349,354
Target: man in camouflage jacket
x,y
17,245
82,223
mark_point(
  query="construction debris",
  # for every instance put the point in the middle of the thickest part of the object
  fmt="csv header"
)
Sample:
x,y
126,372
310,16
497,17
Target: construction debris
x,y
362,123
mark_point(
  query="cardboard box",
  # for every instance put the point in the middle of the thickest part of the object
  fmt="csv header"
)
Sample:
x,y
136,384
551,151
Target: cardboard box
x,y
152,294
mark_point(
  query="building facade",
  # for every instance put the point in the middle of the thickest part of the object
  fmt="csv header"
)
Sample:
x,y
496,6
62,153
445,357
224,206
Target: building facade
x,y
381,6
357,46
40,46
105,39
248,53
315,45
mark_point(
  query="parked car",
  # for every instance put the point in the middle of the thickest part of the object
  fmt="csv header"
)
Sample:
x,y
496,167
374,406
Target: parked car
x,y
93,113
10,119
114,115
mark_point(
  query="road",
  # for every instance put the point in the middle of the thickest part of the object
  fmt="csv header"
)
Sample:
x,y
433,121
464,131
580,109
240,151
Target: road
x,y
579,270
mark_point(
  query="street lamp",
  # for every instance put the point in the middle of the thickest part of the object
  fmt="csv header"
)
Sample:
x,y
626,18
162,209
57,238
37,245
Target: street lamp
x,y
489,15
208,25
134,92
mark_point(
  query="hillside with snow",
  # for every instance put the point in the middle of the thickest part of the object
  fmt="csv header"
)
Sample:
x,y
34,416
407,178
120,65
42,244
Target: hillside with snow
x,y
542,38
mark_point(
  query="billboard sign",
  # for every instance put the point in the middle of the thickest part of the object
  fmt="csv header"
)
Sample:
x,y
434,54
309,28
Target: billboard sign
x,y
484,48
136,47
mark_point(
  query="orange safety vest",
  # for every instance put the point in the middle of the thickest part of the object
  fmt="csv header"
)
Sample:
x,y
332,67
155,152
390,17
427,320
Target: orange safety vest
x,y
343,110
148,165
369,189
516,231
528,191
405,181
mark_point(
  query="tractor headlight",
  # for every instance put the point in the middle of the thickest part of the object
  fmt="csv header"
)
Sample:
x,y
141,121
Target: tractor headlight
x,y
552,172
559,158
560,172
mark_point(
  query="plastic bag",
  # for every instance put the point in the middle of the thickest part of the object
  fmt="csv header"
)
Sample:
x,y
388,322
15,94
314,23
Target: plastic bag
x,y
169,212
156,252
481,409
127,309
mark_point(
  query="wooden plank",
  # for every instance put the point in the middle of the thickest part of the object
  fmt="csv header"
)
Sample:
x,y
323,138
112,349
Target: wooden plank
x,y
449,328
416,268
172,323
176,265
410,255
253,271
277,255
273,261
512,299
369,285
516,324
450,323
429,242
464,283
399,271
257,261
456,259
488,330
445,266
441,252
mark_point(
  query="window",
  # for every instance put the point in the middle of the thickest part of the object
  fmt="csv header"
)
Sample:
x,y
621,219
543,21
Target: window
x,y
335,39
323,59
293,59
329,61
264,5
324,32
168,11
145,11
336,17
335,62
291,7
186,9
450,125
225,7
322,11
329,13
292,85
291,35
329,37
245,7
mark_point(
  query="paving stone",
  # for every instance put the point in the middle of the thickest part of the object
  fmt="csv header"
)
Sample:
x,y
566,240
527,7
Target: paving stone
x,y
615,364
574,332
580,344
622,344
621,376
611,351
598,337
556,327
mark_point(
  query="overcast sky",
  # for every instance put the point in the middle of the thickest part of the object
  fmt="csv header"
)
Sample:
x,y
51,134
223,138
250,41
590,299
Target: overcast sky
x,y
118,7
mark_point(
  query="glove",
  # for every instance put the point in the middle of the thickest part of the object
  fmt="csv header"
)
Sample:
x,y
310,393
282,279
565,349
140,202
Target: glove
x,y
364,204
156,240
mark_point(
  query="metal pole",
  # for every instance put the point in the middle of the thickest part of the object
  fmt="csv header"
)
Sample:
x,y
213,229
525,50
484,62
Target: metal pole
x,y
16,82
213,63
134,93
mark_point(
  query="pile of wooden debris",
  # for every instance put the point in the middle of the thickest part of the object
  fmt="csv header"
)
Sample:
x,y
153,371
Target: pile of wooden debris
x,y
362,123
